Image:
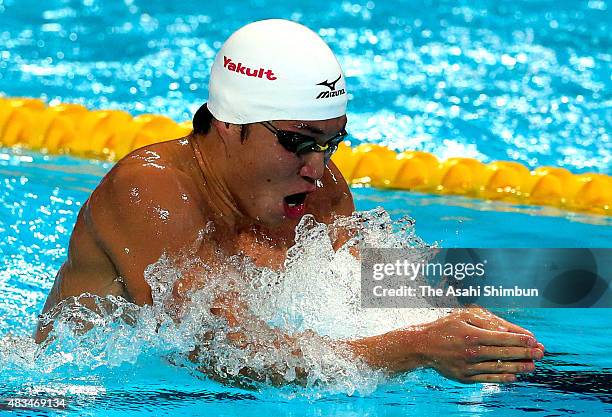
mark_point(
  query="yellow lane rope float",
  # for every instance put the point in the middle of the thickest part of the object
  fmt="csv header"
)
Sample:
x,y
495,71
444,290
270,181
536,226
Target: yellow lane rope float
x,y
111,134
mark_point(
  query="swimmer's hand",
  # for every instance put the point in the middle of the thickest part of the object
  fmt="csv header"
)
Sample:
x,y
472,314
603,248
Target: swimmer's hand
x,y
469,345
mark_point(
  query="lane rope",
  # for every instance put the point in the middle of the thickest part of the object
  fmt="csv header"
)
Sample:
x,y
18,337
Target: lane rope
x,y
111,134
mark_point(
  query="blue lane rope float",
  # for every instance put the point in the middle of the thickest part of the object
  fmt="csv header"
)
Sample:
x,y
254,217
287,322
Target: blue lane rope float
x,y
111,134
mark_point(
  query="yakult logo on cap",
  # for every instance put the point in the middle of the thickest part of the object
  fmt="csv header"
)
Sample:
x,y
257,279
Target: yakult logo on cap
x,y
249,72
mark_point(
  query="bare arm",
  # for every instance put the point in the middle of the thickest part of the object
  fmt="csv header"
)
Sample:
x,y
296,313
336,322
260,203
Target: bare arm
x,y
469,345
134,215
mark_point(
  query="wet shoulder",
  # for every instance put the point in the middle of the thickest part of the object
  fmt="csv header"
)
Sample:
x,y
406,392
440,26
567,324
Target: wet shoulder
x,y
160,169
148,184
167,157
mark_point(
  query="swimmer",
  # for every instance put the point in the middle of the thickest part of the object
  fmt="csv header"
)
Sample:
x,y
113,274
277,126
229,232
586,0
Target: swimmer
x,y
257,161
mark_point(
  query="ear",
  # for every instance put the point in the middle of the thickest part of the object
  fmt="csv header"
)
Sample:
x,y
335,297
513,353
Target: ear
x,y
226,130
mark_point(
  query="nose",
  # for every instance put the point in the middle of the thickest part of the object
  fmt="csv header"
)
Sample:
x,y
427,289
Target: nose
x,y
313,167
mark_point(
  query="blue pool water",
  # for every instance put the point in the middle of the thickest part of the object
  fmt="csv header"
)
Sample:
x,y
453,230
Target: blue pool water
x,y
521,80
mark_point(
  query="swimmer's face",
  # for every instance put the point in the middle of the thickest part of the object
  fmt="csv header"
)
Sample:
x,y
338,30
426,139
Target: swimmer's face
x,y
271,184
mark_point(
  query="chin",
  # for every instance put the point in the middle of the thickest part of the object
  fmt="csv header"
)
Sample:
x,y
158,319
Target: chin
x,y
279,215
272,218
278,221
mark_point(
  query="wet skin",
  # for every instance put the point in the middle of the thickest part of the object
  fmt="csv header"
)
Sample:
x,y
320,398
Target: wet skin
x,y
160,198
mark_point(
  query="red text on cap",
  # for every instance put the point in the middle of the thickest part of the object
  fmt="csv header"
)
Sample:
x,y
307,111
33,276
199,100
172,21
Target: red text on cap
x,y
248,71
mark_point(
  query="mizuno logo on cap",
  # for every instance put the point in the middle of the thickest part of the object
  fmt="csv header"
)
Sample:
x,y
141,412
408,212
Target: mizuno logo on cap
x,y
249,72
332,85
332,88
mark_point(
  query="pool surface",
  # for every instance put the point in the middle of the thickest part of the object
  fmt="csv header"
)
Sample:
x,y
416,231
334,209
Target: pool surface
x,y
522,80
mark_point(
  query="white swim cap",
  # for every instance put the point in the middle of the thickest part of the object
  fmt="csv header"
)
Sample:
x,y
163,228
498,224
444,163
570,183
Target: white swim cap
x,y
276,70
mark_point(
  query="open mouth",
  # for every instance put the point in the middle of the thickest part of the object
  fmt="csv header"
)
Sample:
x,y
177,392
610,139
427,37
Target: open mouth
x,y
294,205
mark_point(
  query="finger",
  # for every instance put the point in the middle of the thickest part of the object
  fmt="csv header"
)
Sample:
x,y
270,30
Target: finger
x,y
497,378
487,353
511,327
487,320
492,338
500,367
484,319
490,321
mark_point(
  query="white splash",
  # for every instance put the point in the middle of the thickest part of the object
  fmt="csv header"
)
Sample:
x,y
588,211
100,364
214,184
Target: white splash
x,y
318,289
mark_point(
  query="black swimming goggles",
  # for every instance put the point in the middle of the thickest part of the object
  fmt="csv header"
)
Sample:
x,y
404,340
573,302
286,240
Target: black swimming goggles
x,y
300,144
